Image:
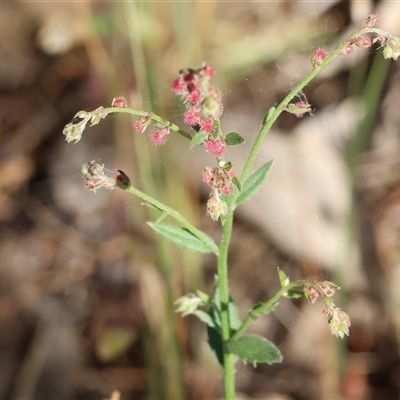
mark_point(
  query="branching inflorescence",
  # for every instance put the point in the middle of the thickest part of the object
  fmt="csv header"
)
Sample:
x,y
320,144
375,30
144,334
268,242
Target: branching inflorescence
x,y
203,111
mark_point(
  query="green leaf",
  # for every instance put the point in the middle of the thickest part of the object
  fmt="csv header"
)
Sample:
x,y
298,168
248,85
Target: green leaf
x,y
255,349
198,138
283,278
214,332
294,294
253,183
206,318
237,183
263,308
268,116
184,238
234,139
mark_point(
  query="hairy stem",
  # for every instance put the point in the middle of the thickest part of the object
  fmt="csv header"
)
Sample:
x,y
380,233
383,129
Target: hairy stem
x,y
229,358
270,120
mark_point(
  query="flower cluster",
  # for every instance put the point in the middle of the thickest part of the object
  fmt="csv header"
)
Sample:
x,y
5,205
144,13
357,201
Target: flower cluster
x,y
160,133
318,58
74,130
203,110
339,321
203,105
95,178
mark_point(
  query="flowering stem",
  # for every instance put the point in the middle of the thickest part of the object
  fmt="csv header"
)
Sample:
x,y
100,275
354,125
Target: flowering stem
x,y
296,90
267,306
229,358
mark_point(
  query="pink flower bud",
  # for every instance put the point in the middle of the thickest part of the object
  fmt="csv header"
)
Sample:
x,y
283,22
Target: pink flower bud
x,y
207,125
318,58
141,124
215,146
349,49
192,116
159,136
119,102
370,21
363,42
311,294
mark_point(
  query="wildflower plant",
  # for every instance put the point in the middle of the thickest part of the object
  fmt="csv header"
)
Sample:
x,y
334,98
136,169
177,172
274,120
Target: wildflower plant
x,y
226,331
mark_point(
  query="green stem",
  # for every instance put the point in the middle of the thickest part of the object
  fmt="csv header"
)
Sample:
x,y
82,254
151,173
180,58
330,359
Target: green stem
x,y
170,211
296,90
229,358
269,305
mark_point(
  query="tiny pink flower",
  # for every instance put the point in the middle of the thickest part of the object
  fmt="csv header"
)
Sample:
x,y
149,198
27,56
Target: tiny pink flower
x,y
192,116
364,42
119,102
370,21
209,71
215,146
207,125
208,175
311,294
179,86
195,97
141,124
160,135
318,57
328,288
349,49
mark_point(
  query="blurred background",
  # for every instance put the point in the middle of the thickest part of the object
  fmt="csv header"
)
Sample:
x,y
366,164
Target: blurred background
x,y
87,290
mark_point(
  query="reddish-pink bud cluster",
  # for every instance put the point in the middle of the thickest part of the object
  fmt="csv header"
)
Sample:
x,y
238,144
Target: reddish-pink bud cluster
x,y
219,179
318,57
363,42
349,49
141,124
201,99
215,146
311,294
160,135
95,178
119,102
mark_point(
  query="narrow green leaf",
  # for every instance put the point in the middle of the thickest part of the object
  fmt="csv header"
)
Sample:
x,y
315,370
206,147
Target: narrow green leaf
x,y
253,183
255,349
237,183
206,318
263,308
215,342
268,116
283,278
198,138
214,332
184,238
294,294
234,139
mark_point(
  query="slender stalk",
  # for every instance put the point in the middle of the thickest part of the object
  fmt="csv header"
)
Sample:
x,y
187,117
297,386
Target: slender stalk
x,y
229,358
268,306
296,90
